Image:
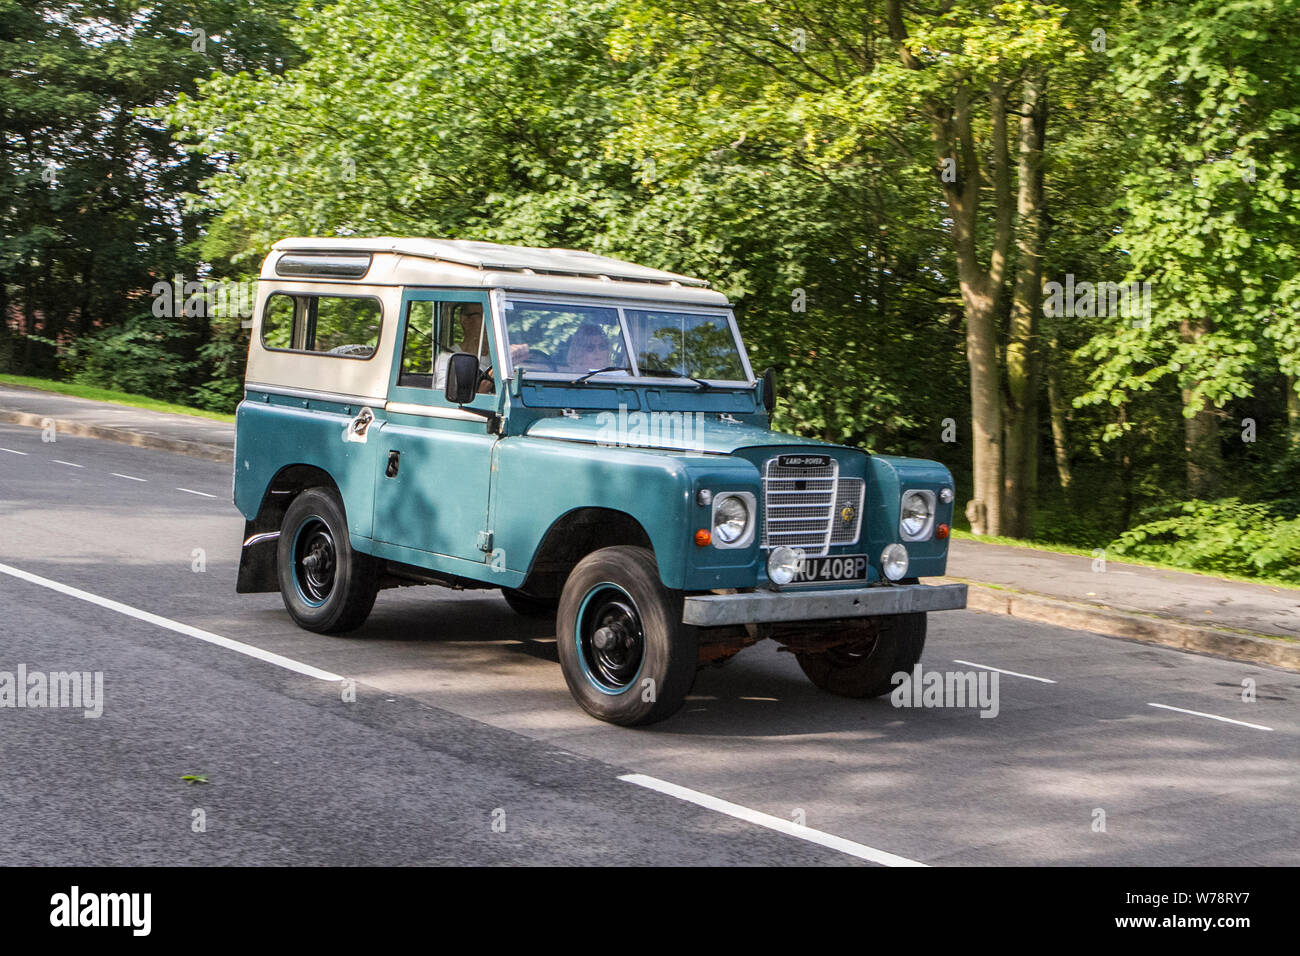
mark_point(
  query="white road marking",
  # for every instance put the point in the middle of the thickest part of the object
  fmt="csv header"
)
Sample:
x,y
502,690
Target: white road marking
x,y
70,464
230,645
12,452
202,493
1197,713
127,477
1001,671
788,827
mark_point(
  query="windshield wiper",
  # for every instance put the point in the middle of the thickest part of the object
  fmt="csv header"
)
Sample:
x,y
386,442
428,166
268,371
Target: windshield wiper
x,y
608,368
673,373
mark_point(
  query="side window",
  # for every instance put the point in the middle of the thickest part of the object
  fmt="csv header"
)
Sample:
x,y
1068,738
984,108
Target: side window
x,y
277,322
417,345
434,330
334,324
463,329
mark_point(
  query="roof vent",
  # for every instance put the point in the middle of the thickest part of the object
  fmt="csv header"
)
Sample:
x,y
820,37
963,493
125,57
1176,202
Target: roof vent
x,y
316,265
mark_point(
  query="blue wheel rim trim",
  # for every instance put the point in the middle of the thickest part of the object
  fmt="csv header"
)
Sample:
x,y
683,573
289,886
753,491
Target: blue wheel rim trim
x,y
580,627
294,556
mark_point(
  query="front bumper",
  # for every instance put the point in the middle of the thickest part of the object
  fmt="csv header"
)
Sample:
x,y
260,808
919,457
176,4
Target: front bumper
x,y
765,607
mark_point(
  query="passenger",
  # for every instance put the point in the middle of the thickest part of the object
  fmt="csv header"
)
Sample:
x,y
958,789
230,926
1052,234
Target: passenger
x,y
588,349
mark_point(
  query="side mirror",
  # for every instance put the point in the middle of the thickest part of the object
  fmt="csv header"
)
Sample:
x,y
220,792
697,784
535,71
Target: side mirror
x,y
462,378
769,389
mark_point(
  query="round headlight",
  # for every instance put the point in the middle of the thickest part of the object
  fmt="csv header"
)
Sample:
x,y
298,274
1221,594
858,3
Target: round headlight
x,y
783,564
916,514
893,561
730,519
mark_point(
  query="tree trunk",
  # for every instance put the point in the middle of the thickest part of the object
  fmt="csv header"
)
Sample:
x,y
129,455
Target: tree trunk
x,y
1200,434
1056,403
981,289
1022,360
981,293
1201,442
1293,410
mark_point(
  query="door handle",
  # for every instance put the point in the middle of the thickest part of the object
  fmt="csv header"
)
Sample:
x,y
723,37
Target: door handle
x,y
361,422
394,461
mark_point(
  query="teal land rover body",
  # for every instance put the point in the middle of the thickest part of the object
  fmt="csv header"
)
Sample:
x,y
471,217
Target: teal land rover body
x,y
584,434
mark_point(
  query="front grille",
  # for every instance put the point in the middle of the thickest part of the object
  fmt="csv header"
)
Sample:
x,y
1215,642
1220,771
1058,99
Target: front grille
x,y
847,524
803,506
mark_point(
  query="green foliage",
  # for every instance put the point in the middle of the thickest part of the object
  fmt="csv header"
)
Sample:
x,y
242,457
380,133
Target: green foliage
x,y
1226,535
140,356
783,150
1211,202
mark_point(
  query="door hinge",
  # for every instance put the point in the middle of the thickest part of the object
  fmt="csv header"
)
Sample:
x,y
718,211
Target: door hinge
x,y
485,541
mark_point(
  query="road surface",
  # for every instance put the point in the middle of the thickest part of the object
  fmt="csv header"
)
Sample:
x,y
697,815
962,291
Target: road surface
x,y
463,746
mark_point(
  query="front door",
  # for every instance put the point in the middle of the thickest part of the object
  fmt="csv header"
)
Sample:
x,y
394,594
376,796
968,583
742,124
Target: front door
x,y
435,460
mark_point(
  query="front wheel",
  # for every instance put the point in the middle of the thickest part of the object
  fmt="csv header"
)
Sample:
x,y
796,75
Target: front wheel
x,y
866,668
626,655
327,587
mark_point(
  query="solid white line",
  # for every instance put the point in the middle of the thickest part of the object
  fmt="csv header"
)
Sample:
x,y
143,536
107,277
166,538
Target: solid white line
x,y
1001,671
1197,713
127,477
179,628
12,452
189,492
787,827
72,464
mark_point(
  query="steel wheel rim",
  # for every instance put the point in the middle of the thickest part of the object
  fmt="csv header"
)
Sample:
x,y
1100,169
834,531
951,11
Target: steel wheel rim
x,y
610,636
315,561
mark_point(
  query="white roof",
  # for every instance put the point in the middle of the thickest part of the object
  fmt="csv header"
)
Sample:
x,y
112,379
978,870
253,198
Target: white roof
x,y
494,256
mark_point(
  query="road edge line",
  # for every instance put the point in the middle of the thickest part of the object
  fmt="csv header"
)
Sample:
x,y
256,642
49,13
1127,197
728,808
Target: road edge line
x,y
269,657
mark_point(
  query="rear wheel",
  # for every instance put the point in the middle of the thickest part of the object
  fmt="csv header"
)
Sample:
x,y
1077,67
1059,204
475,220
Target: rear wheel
x,y
326,586
626,655
865,668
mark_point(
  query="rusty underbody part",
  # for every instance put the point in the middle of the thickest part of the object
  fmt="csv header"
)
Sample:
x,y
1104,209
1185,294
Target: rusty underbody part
x,y
719,644
820,636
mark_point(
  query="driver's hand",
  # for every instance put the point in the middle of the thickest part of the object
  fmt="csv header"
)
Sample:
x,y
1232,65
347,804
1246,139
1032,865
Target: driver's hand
x,y
519,352
486,384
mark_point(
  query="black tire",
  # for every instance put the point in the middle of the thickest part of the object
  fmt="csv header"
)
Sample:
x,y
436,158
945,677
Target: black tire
x,y
525,605
867,669
646,667
326,586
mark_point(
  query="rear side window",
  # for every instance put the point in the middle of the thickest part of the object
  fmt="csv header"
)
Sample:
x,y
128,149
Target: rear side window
x,y
346,326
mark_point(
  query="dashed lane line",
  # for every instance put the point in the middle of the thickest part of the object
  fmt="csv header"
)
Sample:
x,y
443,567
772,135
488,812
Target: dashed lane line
x,y
789,828
1197,713
1001,671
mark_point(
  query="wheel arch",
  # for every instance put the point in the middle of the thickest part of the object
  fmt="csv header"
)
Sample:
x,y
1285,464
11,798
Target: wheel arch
x,y
257,560
574,535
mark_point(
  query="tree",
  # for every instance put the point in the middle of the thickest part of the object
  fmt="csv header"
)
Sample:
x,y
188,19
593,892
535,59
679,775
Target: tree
x,y
1211,215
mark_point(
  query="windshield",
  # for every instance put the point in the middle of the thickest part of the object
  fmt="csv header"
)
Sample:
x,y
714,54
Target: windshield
x,y
549,337
581,339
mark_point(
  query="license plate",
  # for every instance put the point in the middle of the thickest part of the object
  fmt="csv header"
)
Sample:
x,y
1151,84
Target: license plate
x,y
836,568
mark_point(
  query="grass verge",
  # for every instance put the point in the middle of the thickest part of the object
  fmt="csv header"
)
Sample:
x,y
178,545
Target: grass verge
x,y
1118,559
108,395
